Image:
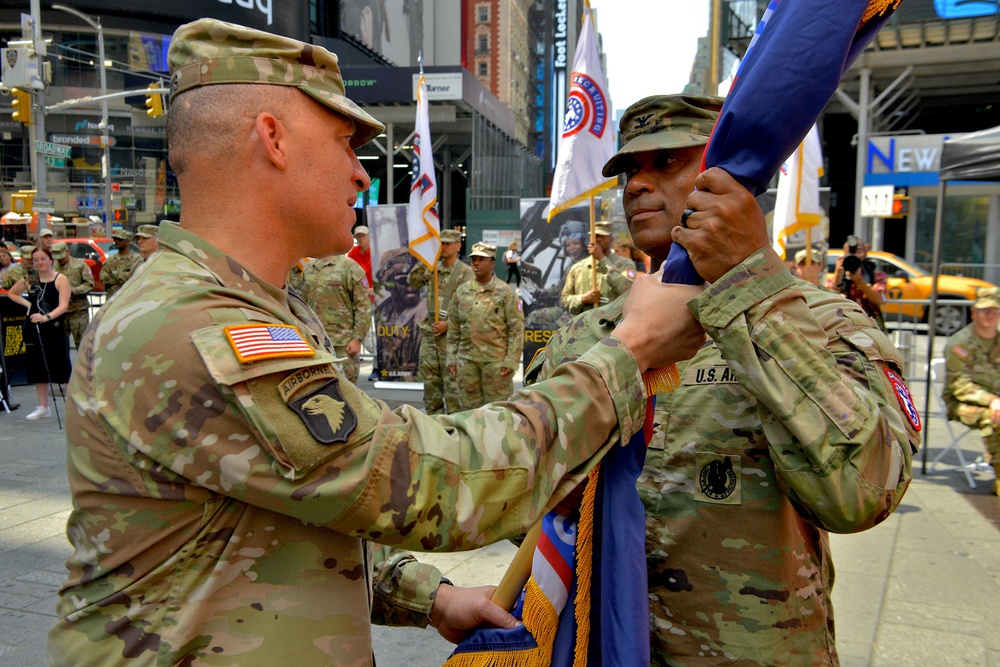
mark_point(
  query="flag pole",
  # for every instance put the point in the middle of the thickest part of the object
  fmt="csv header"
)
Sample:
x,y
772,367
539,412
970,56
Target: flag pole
x,y
518,572
593,239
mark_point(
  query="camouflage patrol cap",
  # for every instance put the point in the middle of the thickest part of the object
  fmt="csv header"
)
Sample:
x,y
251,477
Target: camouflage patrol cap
x,y
121,234
59,250
664,122
393,261
602,228
987,297
147,231
26,251
484,250
208,52
450,235
800,256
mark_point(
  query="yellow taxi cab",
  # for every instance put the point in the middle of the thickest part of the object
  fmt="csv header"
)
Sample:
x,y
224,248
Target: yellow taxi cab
x,y
906,282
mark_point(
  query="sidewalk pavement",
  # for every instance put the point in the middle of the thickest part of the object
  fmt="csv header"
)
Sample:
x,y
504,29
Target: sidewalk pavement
x,y
923,588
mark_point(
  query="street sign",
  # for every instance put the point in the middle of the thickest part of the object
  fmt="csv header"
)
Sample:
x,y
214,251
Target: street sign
x,y
876,201
44,205
55,161
49,148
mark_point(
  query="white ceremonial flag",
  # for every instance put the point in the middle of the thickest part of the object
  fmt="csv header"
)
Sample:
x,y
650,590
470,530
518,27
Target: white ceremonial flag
x,y
797,205
588,138
422,221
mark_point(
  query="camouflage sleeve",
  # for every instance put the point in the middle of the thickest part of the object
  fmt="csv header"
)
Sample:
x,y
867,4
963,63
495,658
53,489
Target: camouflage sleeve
x,y
86,285
105,274
619,279
419,276
960,384
403,588
515,330
570,299
362,304
823,376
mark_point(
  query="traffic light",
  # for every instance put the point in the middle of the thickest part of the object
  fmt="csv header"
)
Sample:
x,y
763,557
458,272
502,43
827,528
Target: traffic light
x,y
900,206
119,214
154,102
22,106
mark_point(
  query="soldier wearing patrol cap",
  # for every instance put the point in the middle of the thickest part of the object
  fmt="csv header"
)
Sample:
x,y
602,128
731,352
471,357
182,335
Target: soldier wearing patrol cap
x,y
440,386
972,376
600,278
81,281
793,420
228,481
17,271
145,238
811,270
485,333
119,267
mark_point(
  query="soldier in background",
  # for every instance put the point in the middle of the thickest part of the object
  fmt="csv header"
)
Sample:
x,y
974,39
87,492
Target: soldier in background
x,y
485,333
119,267
81,281
440,386
587,286
972,375
145,238
792,421
17,271
814,270
337,289
46,238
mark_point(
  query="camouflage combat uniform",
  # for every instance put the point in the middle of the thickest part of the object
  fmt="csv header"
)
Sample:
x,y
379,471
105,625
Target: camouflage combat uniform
x,y
336,288
81,279
117,269
440,386
787,426
972,380
614,277
485,335
13,273
220,518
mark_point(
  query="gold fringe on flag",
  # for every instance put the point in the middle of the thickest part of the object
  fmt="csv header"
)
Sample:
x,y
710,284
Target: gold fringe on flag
x,y
661,380
585,568
877,8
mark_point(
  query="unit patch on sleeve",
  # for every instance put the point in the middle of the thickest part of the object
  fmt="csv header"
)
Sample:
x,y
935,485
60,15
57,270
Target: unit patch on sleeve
x,y
326,414
905,399
253,342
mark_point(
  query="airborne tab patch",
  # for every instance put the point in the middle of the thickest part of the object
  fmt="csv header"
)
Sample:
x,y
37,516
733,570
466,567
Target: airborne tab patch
x,y
326,414
253,342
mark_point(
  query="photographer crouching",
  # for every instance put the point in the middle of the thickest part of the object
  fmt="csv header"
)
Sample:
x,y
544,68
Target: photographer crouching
x,y
857,279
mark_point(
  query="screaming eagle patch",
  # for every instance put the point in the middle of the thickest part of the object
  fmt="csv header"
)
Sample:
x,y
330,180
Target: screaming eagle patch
x,y
326,414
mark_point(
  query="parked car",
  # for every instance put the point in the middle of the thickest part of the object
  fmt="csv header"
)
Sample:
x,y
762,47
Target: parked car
x,y
906,281
94,252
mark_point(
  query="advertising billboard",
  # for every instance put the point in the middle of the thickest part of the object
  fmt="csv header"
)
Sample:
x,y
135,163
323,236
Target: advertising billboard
x,y
398,30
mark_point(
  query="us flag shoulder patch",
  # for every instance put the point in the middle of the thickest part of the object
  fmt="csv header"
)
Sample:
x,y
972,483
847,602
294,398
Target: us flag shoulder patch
x,y
253,342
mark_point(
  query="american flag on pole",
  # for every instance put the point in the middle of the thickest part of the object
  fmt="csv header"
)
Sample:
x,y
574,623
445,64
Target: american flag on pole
x,y
588,138
795,61
796,207
422,221
253,342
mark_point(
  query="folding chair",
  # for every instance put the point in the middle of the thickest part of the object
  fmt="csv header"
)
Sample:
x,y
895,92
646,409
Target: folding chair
x,y
937,379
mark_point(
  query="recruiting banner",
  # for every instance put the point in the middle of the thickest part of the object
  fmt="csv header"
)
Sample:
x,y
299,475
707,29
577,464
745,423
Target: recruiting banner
x,y
547,252
12,354
399,308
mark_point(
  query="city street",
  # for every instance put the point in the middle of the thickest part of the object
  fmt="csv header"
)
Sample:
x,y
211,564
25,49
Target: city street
x,y
921,589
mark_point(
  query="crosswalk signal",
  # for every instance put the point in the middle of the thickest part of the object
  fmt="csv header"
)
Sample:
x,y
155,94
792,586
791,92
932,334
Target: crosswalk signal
x,y
119,214
900,206
154,102
22,106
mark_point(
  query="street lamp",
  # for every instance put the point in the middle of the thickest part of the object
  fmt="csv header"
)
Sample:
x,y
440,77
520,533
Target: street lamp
x,y
105,141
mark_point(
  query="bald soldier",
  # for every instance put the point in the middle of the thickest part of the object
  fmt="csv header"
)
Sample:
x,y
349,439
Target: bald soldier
x,y
600,278
440,386
228,482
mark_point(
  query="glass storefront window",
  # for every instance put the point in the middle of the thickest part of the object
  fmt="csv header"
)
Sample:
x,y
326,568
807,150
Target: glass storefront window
x,y
963,225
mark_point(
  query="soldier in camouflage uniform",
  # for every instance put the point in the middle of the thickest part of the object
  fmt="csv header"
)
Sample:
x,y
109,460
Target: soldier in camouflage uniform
x,y
790,422
336,288
440,386
119,267
145,238
17,271
972,375
613,274
227,480
81,280
486,333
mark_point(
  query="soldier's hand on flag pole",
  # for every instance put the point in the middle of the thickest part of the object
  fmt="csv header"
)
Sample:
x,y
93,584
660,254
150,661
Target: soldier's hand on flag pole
x,y
727,224
457,610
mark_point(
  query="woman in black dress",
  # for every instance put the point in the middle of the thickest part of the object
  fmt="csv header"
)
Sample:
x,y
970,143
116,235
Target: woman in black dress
x,y
44,329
